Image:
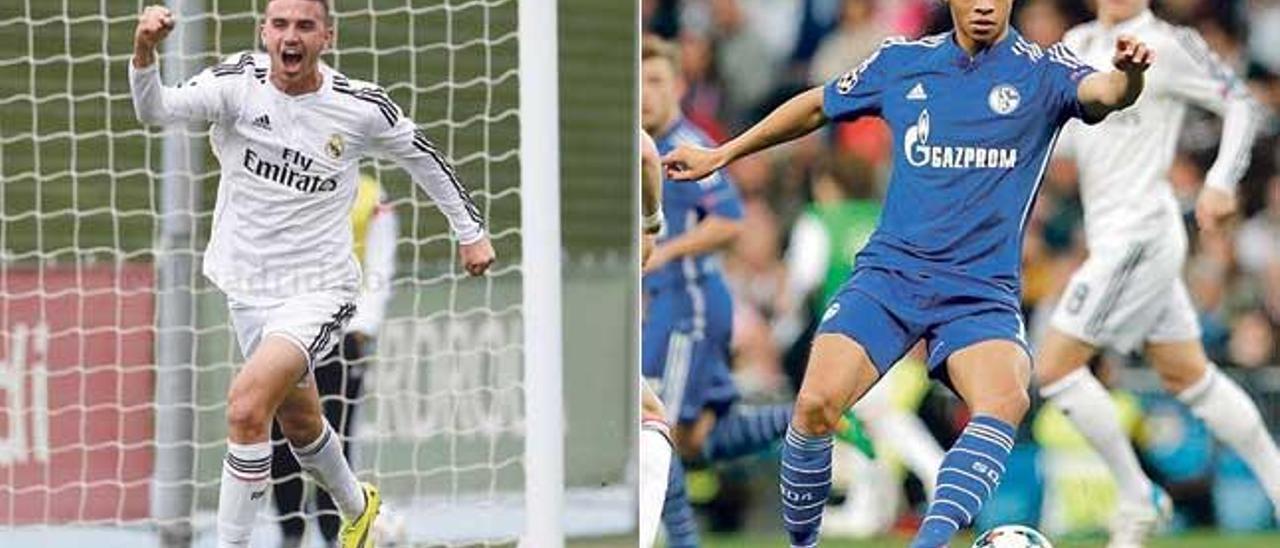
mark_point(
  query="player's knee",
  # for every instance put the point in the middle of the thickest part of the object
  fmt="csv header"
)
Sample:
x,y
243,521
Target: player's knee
x,y
816,414
246,418
1009,407
1177,379
299,427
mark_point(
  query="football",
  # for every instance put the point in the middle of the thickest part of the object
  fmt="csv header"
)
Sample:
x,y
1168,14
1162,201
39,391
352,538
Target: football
x,y
1012,536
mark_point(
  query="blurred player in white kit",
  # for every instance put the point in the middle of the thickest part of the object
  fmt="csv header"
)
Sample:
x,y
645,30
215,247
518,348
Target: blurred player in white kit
x,y
1129,294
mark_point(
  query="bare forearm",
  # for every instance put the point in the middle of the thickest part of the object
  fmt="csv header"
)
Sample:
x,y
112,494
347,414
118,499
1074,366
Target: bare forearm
x,y
711,234
143,56
650,176
1106,92
797,117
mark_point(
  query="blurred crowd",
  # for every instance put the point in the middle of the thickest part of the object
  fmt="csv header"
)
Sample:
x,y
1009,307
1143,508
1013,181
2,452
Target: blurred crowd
x,y
741,58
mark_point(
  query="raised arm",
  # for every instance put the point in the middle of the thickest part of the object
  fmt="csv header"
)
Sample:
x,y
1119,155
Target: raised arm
x,y
408,147
200,99
795,118
1102,93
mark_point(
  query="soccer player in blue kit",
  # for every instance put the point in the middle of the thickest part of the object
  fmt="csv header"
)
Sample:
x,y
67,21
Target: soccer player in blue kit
x,y
974,113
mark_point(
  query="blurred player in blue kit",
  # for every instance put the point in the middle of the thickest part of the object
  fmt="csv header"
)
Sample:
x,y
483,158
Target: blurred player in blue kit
x,y
689,313
974,113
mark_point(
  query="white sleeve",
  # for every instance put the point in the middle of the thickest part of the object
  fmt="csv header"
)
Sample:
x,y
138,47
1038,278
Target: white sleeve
x,y
201,98
807,257
379,271
408,146
1197,76
1067,138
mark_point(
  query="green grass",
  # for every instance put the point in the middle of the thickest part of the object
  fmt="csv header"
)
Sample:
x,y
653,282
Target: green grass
x,y
1197,539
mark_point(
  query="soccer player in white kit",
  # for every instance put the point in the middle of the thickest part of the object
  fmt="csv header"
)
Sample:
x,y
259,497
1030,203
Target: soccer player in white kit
x,y
1129,294
289,133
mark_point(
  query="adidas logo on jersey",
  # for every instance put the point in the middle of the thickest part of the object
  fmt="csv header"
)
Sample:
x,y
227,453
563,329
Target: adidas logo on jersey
x,y
917,93
262,122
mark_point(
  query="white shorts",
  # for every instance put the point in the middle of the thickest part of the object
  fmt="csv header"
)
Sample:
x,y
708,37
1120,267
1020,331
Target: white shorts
x,y
312,321
1123,297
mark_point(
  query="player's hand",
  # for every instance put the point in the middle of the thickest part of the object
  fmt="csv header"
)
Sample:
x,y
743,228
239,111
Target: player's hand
x,y
477,256
690,163
1132,55
658,258
647,243
153,27
1214,209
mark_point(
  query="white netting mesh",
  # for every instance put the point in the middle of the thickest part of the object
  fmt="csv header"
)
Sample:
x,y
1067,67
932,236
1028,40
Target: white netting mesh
x,y
81,231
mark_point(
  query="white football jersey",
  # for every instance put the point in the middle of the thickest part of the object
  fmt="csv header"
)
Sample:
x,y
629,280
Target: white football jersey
x,y
1124,160
281,224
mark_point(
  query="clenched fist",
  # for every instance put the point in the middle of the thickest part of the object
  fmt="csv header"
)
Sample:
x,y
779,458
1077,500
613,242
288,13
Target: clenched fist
x,y
153,27
477,256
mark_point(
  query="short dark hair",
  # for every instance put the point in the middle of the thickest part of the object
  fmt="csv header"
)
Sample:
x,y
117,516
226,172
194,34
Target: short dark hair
x,y
328,14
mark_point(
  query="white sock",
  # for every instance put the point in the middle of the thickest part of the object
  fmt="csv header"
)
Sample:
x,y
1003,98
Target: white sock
x,y
655,463
323,459
246,474
1233,417
1088,406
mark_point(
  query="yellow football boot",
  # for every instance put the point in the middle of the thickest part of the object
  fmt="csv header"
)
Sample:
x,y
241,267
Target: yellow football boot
x,y
358,533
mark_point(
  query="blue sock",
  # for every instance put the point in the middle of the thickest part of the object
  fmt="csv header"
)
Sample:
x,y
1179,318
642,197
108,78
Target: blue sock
x,y
677,514
805,483
746,430
969,474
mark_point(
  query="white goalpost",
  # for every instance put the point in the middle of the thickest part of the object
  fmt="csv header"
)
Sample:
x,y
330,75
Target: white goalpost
x,y
115,353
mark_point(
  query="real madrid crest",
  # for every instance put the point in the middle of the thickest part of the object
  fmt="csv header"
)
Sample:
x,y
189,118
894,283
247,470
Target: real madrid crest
x,y
1003,99
335,146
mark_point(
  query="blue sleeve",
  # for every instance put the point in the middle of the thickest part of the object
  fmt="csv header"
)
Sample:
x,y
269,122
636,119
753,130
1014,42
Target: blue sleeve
x,y
720,197
858,91
1064,73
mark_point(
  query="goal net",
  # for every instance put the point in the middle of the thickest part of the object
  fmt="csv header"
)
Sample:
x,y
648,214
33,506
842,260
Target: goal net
x,y
116,354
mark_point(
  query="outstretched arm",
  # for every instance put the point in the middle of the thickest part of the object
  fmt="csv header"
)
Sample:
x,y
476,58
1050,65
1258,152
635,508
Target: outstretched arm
x,y
155,104
650,184
409,147
795,118
1102,93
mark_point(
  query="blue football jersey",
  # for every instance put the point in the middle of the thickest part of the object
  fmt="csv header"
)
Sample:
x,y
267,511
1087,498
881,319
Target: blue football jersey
x,y
685,204
972,136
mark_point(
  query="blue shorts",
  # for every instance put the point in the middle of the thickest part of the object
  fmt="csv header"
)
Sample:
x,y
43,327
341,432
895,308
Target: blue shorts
x,y
887,311
685,350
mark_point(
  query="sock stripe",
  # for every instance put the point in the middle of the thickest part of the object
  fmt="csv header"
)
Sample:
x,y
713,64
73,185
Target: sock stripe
x,y
799,470
1005,443
315,447
992,432
941,517
808,443
248,466
995,425
963,473
248,477
805,521
803,507
967,516
805,485
976,499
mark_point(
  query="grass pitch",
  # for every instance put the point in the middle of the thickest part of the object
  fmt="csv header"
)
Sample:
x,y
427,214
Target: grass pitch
x,y
1195,539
